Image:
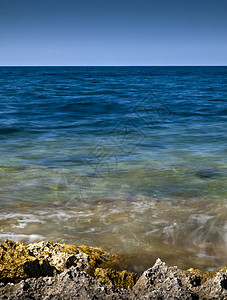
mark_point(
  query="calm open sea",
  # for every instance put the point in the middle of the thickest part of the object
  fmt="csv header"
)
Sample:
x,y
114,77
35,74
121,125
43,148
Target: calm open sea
x,y
130,159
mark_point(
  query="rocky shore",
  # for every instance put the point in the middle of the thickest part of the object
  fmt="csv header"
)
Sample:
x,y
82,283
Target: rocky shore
x,y
47,270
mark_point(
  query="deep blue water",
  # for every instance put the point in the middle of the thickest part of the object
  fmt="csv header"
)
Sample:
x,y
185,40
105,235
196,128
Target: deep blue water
x,y
125,137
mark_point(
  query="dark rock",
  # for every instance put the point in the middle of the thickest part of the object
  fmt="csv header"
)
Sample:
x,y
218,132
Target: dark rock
x,y
207,173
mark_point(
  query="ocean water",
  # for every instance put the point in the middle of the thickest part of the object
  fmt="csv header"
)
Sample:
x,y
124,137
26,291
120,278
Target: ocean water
x,y
130,159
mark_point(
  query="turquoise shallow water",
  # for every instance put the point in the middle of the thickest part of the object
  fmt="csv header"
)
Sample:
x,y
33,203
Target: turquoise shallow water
x,y
130,159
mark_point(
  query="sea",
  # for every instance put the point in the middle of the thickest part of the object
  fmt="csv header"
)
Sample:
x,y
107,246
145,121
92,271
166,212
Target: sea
x,y
129,159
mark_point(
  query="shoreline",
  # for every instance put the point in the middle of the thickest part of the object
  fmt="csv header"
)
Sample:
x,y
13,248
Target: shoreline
x,y
46,270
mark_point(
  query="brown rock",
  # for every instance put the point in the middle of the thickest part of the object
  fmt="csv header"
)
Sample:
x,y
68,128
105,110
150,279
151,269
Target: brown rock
x,y
17,263
121,279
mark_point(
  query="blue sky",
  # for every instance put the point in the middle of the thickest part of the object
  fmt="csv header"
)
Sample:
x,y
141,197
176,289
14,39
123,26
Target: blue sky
x,y
126,32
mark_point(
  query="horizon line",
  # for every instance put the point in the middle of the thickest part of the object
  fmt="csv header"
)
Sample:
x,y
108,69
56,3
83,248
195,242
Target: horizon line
x,y
113,66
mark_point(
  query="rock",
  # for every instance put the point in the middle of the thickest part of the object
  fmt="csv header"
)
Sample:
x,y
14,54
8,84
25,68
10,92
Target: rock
x,y
48,270
121,279
214,288
207,173
17,263
162,282
101,259
60,256
206,275
69,285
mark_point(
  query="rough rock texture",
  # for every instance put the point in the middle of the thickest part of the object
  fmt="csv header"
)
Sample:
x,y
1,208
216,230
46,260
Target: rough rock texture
x,y
59,256
16,263
206,275
164,282
48,270
111,277
214,288
71,284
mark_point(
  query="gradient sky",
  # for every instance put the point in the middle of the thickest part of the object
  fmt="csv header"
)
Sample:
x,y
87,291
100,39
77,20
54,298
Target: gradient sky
x,y
113,32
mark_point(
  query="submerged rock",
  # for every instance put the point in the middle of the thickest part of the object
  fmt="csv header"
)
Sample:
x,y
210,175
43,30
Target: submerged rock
x,y
48,270
207,173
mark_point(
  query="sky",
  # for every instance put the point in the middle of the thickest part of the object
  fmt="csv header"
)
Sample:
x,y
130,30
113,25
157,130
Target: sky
x,y
113,32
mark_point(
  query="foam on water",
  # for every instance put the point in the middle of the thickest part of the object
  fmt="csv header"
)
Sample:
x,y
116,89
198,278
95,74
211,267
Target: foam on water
x,y
144,228
21,237
128,159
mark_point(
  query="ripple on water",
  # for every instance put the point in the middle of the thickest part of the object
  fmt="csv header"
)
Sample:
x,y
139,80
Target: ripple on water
x,y
141,230
129,159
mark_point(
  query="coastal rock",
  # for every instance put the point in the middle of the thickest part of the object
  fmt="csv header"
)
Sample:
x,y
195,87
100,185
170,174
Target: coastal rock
x,y
206,275
60,256
214,288
121,279
17,263
163,282
101,259
69,285
48,270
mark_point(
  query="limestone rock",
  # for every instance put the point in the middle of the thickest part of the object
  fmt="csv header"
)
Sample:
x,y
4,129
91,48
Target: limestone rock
x,y
48,270
69,285
121,279
163,282
60,256
17,263
215,288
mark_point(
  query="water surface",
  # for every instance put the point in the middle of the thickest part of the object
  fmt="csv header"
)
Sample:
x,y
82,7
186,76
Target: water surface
x,y
130,159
